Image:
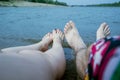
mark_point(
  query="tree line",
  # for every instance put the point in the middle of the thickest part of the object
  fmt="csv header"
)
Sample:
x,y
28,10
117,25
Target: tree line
x,y
115,4
42,1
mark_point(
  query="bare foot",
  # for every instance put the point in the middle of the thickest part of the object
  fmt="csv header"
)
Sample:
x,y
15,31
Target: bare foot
x,y
103,31
72,36
42,45
58,36
46,40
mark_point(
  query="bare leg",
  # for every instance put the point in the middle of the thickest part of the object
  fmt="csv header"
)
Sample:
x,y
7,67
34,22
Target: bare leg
x,y
103,31
56,54
75,41
42,45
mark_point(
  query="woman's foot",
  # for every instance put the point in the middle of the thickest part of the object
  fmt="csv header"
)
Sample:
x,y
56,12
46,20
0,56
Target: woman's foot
x,y
103,31
46,40
72,36
42,45
58,36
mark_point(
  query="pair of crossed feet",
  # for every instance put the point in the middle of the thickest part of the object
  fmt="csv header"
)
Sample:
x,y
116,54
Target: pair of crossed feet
x,y
72,36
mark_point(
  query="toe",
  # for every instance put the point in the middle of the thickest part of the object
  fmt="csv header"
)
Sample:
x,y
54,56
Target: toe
x,y
104,24
62,36
48,35
108,32
106,28
60,32
54,31
68,26
65,29
44,36
57,31
72,24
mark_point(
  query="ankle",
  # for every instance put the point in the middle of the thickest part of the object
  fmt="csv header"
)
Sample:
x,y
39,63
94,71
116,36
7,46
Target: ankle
x,y
57,43
79,49
99,37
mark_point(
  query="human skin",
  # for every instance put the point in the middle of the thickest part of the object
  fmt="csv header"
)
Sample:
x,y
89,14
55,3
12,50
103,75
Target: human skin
x,y
77,44
29,63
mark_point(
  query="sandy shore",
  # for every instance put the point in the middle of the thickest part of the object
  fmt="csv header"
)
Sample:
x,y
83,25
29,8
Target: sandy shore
x,y
22,3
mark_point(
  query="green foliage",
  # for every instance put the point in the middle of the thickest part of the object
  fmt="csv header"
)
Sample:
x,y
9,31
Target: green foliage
x,y
4,0
116,4
49,2
42,1
60,3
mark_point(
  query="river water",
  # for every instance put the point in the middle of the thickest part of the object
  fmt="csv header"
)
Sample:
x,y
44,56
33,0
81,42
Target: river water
x,y
24,25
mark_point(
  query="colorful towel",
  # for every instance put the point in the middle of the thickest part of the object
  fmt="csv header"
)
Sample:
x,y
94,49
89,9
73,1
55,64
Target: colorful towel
x,y
104,62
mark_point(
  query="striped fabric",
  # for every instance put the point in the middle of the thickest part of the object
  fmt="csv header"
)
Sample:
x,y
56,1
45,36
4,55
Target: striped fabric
x,y
104,62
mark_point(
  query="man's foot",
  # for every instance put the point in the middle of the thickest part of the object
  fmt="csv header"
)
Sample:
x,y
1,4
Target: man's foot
x,y
103,31
58,36
72,36
46,40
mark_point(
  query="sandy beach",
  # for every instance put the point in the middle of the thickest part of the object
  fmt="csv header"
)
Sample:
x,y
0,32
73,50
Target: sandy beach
x,y
22,4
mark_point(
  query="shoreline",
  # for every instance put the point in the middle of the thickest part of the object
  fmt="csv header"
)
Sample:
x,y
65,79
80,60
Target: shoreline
x,y
23,4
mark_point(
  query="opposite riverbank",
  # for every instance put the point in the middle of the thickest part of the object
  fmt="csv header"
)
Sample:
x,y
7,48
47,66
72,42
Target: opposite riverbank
x,y
23,4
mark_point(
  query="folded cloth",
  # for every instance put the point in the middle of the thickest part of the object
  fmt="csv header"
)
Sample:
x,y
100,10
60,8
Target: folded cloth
x,y
104,59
